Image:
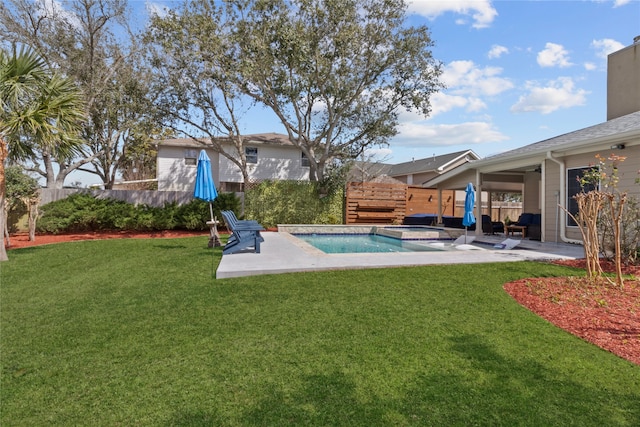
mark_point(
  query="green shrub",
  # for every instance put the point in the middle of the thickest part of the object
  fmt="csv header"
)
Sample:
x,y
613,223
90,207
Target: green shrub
x,y
293,202
83,212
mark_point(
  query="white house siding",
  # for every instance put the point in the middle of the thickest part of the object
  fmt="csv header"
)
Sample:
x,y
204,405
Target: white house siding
x,y
274,162
174,174
277,163
627,171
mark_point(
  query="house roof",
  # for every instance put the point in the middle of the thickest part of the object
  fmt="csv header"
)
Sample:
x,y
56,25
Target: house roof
x,y
431,164
621,130
253,139
619,127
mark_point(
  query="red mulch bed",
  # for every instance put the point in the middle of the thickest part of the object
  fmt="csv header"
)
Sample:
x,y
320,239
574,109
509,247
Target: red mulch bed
x,y
21,240
598,313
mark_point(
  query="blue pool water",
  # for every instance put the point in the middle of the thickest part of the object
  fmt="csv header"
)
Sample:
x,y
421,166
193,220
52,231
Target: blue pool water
x,y
361,243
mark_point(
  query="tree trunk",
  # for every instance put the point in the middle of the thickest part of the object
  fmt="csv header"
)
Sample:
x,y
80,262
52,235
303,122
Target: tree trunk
x,y
3,221
616,216
33,217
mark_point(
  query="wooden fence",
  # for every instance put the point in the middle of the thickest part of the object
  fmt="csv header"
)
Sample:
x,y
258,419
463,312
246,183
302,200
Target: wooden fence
x,y
138,197
383,203
375,203
425,200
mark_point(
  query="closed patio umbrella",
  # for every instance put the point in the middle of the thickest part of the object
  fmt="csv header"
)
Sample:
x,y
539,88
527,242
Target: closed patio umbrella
x,y
469,201
206,190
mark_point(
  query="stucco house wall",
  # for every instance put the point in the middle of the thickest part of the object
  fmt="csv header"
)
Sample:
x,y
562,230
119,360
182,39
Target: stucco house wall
x,y
623,81
531,194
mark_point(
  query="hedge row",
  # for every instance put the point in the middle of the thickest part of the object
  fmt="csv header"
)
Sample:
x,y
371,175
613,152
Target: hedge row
x,y
84,212
294,202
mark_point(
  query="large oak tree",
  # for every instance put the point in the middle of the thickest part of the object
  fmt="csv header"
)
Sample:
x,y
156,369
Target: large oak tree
x,y
91,42
336,73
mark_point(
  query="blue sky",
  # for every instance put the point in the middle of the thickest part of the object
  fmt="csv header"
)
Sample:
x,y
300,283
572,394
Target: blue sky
x,y
517,72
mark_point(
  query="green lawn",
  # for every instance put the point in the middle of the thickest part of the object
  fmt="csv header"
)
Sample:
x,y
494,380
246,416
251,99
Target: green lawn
x,y
138,332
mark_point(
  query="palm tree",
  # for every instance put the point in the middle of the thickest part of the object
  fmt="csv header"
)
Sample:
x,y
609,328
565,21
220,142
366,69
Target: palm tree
x,y
39,109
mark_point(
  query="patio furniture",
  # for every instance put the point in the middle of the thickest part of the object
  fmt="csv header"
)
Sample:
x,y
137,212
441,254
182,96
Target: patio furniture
x,y
491,227
214,238
524,222
244,234
234,219
517,229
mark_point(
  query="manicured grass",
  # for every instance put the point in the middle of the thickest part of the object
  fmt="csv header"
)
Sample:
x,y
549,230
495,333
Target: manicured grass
x,y
138,332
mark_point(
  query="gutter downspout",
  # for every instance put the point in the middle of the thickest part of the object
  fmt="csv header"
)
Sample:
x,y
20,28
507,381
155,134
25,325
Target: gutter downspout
x,y
563,198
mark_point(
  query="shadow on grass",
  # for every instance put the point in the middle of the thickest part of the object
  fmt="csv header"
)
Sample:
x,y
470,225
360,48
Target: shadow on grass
x,y
195,419
27,250
489,390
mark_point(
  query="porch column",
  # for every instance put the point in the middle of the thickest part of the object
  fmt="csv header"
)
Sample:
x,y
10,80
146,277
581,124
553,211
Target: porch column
x,y
439,205
478,213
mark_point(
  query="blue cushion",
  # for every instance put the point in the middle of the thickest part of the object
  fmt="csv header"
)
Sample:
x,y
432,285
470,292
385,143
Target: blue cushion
x,y
525,219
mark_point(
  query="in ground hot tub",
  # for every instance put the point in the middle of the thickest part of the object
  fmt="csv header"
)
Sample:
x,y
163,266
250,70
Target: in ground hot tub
x,y
410,232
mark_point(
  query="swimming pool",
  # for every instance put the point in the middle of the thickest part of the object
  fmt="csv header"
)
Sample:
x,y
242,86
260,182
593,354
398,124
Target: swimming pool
x,y
364,243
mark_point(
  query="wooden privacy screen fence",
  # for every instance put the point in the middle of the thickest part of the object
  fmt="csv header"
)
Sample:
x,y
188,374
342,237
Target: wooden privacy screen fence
x,y
380,203
425,200
375,203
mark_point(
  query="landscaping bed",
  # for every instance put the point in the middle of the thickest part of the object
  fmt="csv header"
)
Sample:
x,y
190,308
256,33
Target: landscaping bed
x,y
602,314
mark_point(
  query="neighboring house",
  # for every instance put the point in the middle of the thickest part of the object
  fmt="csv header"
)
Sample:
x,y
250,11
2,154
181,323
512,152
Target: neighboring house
x,y
545,172
269,156
418,171
414,172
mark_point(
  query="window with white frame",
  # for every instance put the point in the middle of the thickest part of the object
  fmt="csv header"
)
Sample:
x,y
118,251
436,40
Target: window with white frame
x,y
251,153
305,161
574,186
190,157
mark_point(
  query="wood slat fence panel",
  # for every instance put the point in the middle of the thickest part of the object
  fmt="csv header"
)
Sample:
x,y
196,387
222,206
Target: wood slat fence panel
x,y
146,197
425,200
375,203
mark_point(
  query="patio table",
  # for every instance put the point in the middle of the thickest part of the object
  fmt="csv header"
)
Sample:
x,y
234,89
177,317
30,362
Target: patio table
x,y
517,228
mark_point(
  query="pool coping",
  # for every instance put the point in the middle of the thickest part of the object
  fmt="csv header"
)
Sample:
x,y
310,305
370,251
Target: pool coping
x,y
283,253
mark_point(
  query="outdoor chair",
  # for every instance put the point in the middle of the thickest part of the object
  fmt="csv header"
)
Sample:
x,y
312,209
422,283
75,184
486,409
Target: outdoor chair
x,y
524,221
244,234
236,221
491,227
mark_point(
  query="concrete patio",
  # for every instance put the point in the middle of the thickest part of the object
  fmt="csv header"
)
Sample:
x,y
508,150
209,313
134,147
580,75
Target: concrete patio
x,y
282,253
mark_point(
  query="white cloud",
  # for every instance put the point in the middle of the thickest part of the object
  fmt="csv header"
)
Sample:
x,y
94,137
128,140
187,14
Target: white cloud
x,y
469,133
590,66
560,93
466,78
156,9
604,47
618,3
56,8
497,51
481,11
378,154
442,102
554,55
